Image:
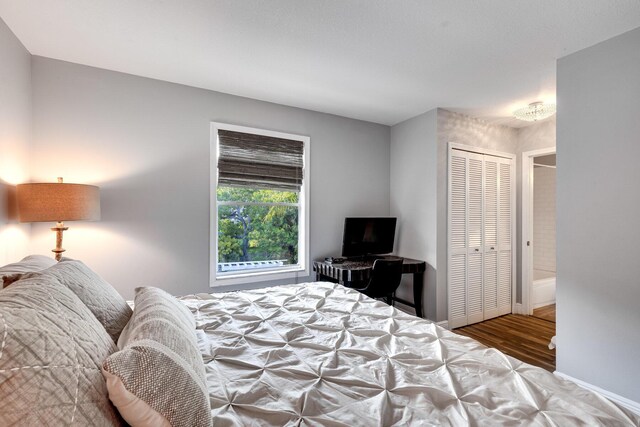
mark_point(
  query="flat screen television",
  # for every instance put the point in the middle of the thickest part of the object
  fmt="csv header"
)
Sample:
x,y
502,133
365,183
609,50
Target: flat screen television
x,y
368,236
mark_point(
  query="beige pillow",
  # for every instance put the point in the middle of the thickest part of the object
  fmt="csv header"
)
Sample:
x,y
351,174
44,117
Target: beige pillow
x,y
167,304
98,295
158,377
52,348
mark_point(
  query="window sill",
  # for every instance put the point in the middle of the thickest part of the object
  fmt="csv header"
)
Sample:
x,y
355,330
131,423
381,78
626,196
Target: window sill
x,y
257,276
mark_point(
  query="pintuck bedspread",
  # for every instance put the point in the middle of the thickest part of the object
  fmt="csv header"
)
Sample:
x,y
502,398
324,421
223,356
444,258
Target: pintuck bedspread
x,y
322,354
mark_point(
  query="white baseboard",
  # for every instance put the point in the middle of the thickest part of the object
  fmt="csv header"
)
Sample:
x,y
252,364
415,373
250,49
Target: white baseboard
x,y
444,324
544,303
517,309
622,401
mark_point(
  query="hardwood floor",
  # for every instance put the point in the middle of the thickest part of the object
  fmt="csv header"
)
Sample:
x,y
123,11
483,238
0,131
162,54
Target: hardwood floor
x,y
524,337
548,312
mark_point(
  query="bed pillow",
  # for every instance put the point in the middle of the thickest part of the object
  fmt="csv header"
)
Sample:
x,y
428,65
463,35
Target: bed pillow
x,y
98,295
29,264
51,352
158,377
168,304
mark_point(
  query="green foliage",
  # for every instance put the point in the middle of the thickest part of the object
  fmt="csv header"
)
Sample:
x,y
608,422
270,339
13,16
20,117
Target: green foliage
x,y
257,233
232,194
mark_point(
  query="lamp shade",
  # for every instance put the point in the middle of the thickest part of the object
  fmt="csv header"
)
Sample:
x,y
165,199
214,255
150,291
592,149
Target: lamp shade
x,y
46,202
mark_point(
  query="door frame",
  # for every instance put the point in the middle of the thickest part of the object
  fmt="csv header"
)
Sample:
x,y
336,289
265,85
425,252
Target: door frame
x,y
514,245
526,220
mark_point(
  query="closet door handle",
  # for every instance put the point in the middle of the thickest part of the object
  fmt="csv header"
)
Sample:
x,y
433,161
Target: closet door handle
x,y
477,250
492,247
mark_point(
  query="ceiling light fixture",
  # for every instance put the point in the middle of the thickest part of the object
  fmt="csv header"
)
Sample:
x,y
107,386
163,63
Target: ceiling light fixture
x,y
535,111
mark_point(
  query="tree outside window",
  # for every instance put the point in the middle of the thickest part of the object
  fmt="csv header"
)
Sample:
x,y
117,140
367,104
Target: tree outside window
x,y
257,225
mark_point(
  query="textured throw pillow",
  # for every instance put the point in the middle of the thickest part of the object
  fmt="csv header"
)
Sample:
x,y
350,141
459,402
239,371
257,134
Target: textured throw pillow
x,y
158,377
29,264
99,296
167,304
51,351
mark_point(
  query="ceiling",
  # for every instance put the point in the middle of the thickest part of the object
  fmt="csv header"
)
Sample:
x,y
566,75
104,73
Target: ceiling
x,y
377,60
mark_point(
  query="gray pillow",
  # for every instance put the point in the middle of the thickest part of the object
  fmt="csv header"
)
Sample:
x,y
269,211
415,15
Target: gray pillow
x,y
158,377
29,264
50,358
98,295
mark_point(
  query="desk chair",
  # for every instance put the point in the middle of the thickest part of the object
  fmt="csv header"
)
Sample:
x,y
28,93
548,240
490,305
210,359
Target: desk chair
x,y
385,279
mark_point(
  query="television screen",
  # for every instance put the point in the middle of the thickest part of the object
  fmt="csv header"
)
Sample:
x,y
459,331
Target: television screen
x,y
368,236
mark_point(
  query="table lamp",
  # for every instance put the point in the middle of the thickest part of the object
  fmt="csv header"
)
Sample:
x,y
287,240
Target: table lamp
x,y
45,202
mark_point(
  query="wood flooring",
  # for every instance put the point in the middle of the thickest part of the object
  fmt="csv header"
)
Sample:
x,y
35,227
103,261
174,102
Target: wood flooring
x,y
548,312
524,337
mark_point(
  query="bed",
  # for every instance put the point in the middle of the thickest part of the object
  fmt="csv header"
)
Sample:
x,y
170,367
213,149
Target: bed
x,y
322,354
72,352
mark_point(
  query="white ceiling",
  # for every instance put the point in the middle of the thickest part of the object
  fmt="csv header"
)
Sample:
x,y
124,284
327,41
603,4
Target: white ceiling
x,y
378,60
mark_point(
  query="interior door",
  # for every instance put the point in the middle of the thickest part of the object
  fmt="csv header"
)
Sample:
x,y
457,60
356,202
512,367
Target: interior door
x,y
491,221
457,265
481,207
475,248
506,208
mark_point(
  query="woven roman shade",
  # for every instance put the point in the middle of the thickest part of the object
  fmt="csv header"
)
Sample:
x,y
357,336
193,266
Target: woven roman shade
x,y
259,161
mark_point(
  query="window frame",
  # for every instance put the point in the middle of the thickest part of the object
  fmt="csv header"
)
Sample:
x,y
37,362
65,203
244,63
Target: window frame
x,y
285,272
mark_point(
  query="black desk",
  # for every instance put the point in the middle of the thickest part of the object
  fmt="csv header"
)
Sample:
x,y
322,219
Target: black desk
x,y
359,271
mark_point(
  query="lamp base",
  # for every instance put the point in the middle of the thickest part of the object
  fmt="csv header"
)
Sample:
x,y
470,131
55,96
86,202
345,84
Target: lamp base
x,y
59,229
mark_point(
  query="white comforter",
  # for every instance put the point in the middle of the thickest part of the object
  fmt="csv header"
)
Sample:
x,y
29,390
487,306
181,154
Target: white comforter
x,y
322,354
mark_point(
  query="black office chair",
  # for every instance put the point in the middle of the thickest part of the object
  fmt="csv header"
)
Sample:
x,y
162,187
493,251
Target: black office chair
x,y
385,279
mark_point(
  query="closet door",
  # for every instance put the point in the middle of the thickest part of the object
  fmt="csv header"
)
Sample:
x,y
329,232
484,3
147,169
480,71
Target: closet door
x,y
457,265
491,221
466,264
481,207
506,208
475,249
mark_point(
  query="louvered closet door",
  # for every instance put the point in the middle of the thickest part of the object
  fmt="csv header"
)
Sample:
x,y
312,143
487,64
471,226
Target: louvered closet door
x,y
506,209
475,250
457,265
465,238
491,221
481,204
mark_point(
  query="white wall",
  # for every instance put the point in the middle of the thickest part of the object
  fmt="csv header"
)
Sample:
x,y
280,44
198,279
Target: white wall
x,y
15,136
598,281
146,144
413,200
544,219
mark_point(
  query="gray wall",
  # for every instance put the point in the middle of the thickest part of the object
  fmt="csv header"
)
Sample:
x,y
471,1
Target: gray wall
x,y
413,199
537,136
598,282
146,144
15,136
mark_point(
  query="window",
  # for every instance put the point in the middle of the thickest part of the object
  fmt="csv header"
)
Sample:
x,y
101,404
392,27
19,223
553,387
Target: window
x,y
259,205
